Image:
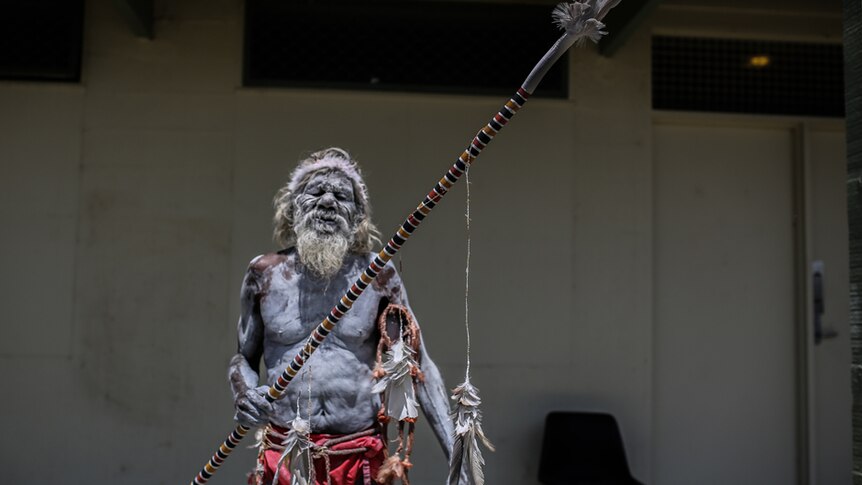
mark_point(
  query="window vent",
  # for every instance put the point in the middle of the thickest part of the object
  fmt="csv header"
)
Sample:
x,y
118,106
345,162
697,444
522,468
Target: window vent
x,y
747,76
473,48
40,40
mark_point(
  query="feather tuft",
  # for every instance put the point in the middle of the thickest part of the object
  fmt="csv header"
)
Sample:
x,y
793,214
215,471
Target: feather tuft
x,y
396,384
297,453
583,20
466,455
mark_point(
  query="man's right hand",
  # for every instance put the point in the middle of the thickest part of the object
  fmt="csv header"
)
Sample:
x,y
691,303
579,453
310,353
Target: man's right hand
x,y
252,408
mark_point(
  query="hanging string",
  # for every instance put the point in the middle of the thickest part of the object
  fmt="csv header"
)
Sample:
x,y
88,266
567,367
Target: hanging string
x,y
310,402
466,456
467,275
306,379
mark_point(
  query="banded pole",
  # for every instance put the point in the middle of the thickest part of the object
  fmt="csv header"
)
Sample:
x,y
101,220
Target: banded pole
x,y
585,22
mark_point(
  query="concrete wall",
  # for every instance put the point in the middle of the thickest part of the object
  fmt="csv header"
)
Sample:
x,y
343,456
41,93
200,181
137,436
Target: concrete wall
x,y
133,201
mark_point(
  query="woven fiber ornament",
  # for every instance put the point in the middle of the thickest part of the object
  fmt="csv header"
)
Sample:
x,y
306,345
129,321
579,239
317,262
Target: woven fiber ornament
x,y
396,385
398,371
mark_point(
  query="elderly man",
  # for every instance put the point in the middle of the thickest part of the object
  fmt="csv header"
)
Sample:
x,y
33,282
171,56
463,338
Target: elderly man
x,y
323,221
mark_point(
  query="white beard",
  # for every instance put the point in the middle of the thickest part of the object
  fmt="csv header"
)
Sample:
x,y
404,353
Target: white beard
x,y
321,252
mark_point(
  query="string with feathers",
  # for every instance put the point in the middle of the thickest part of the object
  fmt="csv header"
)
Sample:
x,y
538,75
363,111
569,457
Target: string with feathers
x,y
298,445
466,458
297,454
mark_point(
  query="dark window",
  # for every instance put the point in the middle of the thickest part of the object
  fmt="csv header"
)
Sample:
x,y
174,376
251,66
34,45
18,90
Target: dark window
x,y
41,40
475,48
747,76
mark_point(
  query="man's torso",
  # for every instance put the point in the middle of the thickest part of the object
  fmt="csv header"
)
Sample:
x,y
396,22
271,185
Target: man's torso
x,y
292,303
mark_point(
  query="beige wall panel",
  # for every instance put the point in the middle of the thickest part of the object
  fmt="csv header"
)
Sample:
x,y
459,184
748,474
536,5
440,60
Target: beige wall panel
x,y
40,158
611,301
154,245
177,113
153,254
46,404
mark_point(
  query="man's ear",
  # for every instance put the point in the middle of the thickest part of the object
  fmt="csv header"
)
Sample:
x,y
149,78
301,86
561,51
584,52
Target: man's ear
x,y
360,217
359,204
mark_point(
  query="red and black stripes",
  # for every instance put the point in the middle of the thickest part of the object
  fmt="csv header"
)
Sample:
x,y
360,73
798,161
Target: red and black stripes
x,y
485,135
411,223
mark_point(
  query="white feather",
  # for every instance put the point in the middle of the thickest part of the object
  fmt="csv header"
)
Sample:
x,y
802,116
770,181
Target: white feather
x,y
297,452
466,453
397,384
583,20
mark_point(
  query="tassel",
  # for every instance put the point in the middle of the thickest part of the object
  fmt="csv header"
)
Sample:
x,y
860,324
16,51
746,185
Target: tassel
x,y
256,476
391,469
396,384
297,452
467,418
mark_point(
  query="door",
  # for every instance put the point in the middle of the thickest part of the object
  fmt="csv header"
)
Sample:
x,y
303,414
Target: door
x,y
725,325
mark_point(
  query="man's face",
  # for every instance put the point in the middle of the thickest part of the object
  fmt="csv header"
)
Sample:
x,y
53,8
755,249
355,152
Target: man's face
x,y
327,205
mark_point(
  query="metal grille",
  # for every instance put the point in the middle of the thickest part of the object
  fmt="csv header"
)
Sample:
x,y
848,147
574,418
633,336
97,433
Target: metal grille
x,y
475,48
40,40
747,76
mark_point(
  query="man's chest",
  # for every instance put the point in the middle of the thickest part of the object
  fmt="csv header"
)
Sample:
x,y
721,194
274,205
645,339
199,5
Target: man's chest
x,y
292,305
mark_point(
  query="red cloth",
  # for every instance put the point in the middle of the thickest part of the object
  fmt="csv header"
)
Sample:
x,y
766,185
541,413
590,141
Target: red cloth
x,y
343,469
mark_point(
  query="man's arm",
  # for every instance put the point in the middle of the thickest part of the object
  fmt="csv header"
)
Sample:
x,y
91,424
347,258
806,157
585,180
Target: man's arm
x,y
252,408
435,403
431,391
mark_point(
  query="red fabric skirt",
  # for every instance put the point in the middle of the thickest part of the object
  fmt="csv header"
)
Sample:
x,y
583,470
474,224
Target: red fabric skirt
x,y
352,469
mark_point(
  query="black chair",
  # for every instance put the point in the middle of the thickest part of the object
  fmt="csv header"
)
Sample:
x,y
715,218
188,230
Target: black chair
x,y
583,449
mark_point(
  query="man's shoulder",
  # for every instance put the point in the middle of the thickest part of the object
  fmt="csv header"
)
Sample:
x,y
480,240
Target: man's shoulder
x,y
387,277
269,260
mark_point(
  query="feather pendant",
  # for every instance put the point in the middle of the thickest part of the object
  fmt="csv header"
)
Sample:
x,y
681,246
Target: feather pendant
x,y
466,454
297,452
399,394
583,20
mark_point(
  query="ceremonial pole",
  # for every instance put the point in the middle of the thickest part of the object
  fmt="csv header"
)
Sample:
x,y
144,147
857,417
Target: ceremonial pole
x,y
579,20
